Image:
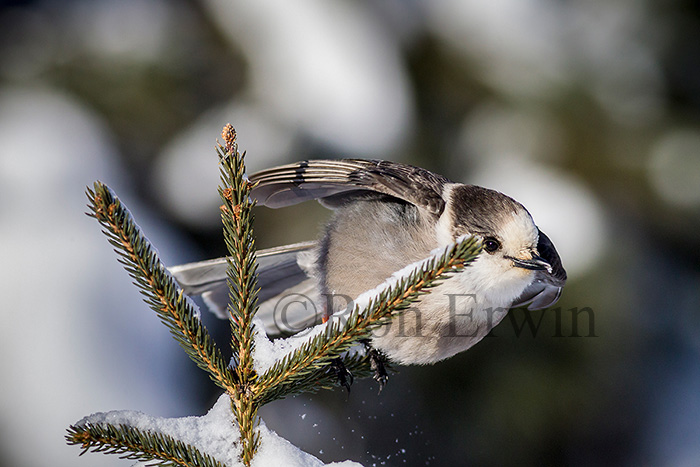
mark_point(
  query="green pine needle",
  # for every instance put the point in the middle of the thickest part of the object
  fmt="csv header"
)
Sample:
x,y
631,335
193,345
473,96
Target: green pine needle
x,y
158,288
320,378
134,444
237,217
318,352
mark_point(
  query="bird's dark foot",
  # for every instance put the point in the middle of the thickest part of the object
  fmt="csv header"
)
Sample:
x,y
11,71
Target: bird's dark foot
x,y
344,376
376,362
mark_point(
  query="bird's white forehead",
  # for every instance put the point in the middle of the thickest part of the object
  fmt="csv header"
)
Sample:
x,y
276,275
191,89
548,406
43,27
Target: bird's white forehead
x,y
519,231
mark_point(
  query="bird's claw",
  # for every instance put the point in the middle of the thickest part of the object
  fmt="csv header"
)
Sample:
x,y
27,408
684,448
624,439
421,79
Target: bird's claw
x,y
345,377
376,362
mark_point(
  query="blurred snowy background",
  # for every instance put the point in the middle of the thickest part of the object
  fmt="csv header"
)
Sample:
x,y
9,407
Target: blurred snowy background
x,y
586,111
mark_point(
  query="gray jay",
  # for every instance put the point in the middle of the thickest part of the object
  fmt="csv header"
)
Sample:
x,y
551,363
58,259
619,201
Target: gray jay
x,y
388,215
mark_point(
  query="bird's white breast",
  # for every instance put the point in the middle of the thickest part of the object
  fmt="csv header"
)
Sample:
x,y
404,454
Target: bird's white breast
x,y
453,317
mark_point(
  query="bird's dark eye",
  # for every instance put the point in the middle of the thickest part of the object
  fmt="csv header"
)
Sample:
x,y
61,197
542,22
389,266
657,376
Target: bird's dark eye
x,y
491,244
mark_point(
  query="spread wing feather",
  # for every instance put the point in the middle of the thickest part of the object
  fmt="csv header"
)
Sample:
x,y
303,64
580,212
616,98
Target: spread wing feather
x,y
281,271
335,182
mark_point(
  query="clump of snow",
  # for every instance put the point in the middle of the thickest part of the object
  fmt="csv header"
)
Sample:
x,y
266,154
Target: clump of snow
x,y
267,352
216,434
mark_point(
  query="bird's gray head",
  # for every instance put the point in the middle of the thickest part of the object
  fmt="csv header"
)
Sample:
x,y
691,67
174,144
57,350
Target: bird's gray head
x,y
508,232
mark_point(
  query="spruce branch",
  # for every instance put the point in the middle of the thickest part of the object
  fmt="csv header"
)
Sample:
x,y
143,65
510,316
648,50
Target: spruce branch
x,y
237,218
338,336
306,369
131,443
321,378
159,289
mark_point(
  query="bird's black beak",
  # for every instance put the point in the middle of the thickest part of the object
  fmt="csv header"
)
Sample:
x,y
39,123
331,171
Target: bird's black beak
x,y
536,263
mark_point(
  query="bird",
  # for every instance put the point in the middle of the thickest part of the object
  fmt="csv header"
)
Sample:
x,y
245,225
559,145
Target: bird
x,y
387,215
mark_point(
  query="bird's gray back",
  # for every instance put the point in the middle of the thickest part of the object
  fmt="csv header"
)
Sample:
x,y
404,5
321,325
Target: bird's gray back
x,y
378,238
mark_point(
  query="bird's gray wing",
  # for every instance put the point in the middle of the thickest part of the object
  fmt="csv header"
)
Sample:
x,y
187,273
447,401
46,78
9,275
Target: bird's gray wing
x,y
282,271
335,182
545,290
